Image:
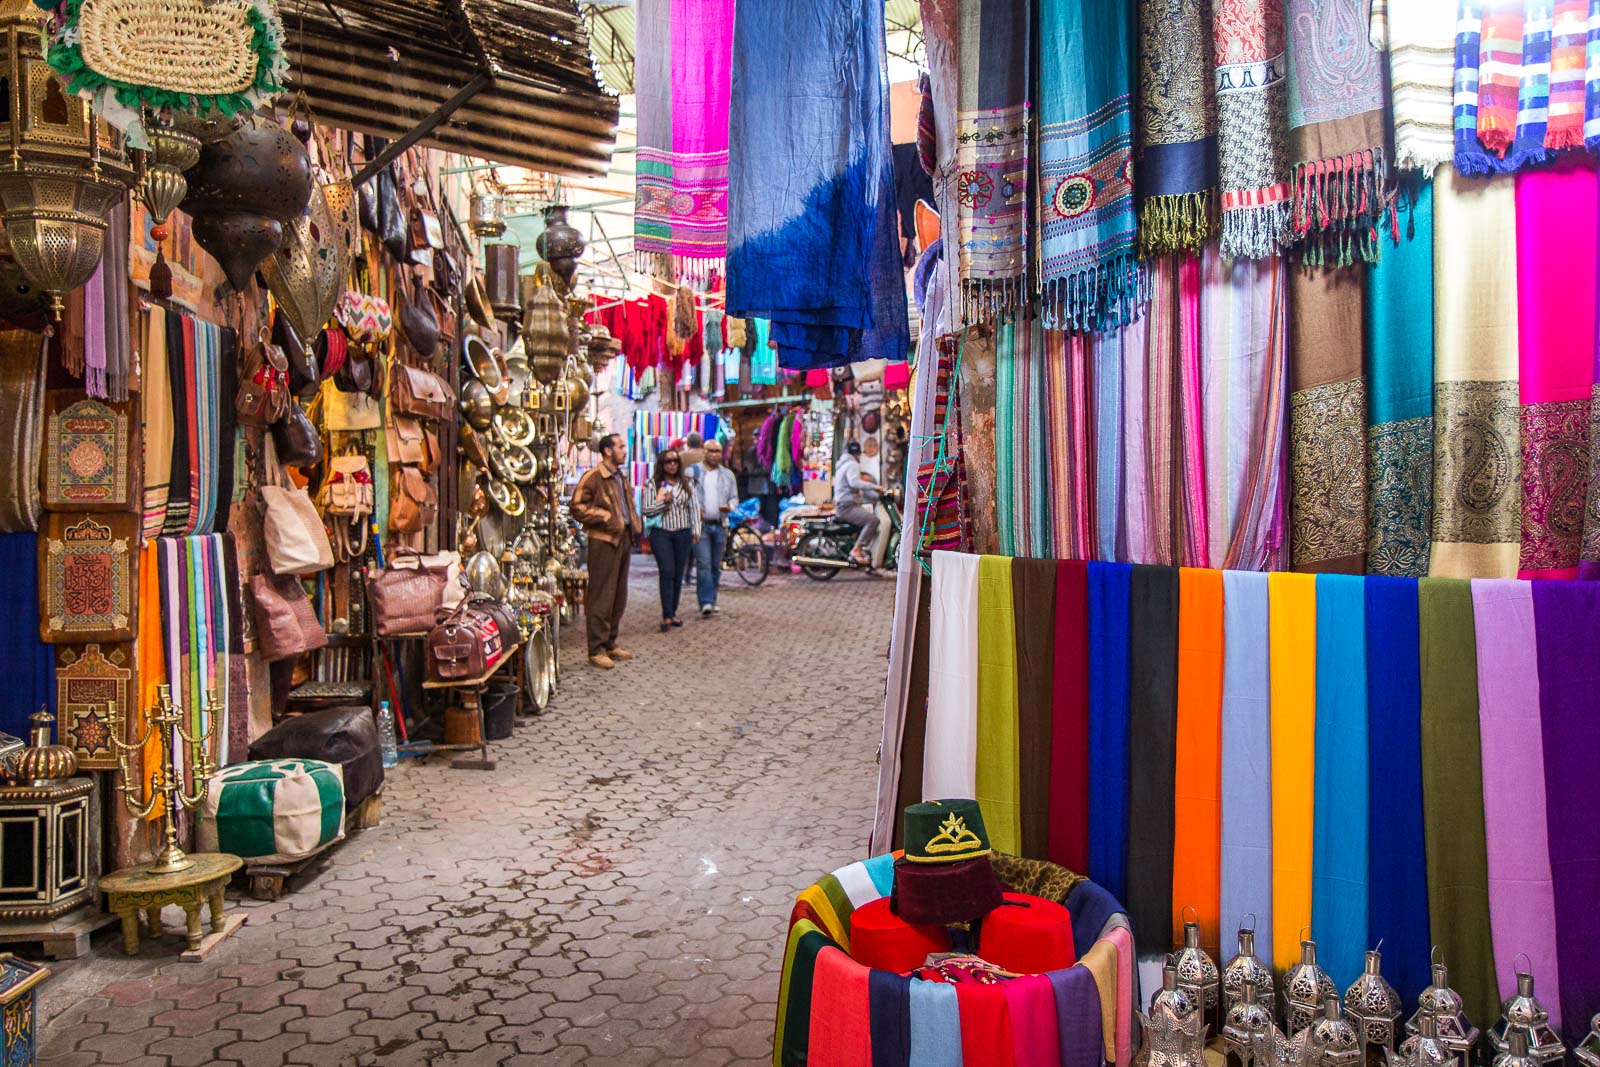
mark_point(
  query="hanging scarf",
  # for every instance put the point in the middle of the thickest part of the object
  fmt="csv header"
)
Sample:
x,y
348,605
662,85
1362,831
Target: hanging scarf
x,y
1566,619
1192,547
819,252
1467,93
792,1034
30,663
227,425
1153,720
1089,274
1177,128
935,1025
1069,719
1500,52
1245,344
179,374
1397,902
1421,49
1556,272
1108,725
1339,875
94,333
155,400
1252,115
1522,906
890,1018
1246,761
1105,358
996,786
1476,451
840,1011
119,344
1136,534
1591,89
1336,130
1031,1005
1033,596
1533,89
1327,421
952,739
985,1025
1065,365
992,135
1152,458
1293,658
682,84
1079,1037
1197,779
1569,32
943,517
1398,325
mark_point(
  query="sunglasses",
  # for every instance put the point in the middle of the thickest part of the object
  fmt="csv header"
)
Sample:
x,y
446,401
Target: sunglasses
x,y
669,463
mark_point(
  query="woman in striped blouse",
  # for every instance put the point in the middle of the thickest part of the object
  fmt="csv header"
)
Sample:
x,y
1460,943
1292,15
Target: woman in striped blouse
x,y
673,518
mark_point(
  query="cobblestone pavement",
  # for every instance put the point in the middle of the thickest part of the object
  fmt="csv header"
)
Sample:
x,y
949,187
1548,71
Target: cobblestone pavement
x,y
615,892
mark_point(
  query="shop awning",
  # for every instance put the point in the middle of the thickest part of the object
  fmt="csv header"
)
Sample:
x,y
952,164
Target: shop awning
x,y
518,71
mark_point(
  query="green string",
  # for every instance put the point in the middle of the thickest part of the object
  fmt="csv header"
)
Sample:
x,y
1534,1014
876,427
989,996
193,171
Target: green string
x,y
942,461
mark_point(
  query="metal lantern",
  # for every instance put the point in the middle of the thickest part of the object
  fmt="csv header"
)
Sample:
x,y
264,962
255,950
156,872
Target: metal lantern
x,y
1424,1048
1524,1013
1197,972
66,169
1246,969
560,244
1373,1008
1516,1053
1248,1032
1332,1041
1588,1050
1305,987
1170,1001
486,214
162,185
500,278
1444,1006
544,335
1170,1042
571,392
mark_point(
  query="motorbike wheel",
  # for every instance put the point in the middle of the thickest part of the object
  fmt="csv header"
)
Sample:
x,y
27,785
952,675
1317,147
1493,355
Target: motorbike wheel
x,y
748,555
820,547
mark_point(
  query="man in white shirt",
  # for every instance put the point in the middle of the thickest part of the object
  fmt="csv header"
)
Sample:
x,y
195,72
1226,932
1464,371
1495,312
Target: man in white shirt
x,y
717,492
855,500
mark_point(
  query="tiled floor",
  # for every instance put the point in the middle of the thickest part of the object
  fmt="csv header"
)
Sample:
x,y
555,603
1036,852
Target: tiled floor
x,y
614,893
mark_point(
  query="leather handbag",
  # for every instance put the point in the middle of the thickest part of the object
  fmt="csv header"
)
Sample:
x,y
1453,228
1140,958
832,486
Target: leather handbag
x,y
413,444
347,503
366,319
263,395
391,218
291,529
413,502
420,394
347,412
467,643
446,275
406,595
286,624
498,610
297,440
304,377
420,322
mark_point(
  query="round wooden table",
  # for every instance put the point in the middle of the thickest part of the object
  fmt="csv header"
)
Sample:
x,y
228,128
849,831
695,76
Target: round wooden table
x,y
135,890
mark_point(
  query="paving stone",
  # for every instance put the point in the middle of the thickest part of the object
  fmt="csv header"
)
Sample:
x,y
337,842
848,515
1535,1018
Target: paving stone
x,y
615,892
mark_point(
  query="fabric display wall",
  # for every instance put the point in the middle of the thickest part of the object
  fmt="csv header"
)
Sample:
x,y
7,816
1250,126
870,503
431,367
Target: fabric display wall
x,y
1371,758
189,439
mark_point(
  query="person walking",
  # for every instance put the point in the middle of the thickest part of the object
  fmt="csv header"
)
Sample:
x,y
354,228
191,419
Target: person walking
x,y
674,516
716,493
855,500
603,503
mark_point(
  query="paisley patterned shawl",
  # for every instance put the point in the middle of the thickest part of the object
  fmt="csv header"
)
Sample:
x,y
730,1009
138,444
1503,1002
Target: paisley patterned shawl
x,y
1177,161
1253,153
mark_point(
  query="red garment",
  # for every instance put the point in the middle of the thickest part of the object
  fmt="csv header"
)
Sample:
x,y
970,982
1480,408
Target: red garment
x,y
1069,720
1028,935
841,1012
985,1025
1035,1035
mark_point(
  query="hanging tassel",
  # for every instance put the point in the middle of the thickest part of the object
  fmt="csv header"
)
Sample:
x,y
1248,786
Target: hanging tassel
x,y
160,272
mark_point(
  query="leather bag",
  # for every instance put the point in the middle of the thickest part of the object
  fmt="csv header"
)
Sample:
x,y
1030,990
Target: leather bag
x,y
366,319
347,412
468,643
391,217
286,625
304,377
297,440
413,502
413,444
502,614
420,322
420,394
291,529
347,501
263,394
406,595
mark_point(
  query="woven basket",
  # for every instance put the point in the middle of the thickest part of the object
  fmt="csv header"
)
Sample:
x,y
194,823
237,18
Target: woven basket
x,y
184,46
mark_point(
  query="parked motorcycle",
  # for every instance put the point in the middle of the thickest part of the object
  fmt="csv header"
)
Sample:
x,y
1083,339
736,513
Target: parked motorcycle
x,y
823,550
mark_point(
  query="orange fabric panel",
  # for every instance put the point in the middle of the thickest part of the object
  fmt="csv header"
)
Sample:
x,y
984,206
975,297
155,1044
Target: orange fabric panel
x,y
1197,782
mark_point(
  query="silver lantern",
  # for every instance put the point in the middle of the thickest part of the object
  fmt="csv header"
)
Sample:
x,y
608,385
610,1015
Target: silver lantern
x,y
1423,1049
1516,1053
1588,1050
1524,1013
1170,1001
1445,1007
1373,1008
1305,987
1171,1042
1197,972
1248,1032
1332,1041
1247,969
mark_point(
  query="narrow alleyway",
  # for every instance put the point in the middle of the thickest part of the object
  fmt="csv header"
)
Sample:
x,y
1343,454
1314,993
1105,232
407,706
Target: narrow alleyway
x,y
614,893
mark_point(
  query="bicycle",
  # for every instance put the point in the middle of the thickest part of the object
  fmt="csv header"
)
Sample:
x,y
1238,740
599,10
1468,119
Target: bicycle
x,y
747,554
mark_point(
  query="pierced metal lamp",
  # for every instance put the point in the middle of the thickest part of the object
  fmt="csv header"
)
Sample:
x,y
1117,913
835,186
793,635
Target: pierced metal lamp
x,y
1197,972
1423,1049
1305,987
1247,968
1171,1001
1332,1041
1374,1009
1523,1013
1249,1033
1588,1050
1516,1053
1445,1007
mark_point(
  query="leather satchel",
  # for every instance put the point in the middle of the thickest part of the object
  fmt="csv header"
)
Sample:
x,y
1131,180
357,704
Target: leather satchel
x,y
420,394
413,502
413,444
304,376
345,412
502,614
297,440
468,643
263,395
420,322
405,599
286,625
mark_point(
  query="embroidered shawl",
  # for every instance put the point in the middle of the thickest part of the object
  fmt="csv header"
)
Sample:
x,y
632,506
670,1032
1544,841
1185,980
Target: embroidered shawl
x,y
1177,164
1253,152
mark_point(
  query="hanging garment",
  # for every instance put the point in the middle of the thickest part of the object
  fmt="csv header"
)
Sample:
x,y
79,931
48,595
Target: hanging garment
x,y
935,1025
1246,882
993,121
30,664
1252,120
1067,509
155,400
1033,595
1104,357
1177,163
1398,327
1568,60
1152,440
1500,59
1522,906
792,1033
1566,620
840,1011
996,786
1556,261
1137,537
682,88
1336,130
890,1018
1191,538
1108,725
985,1025
1397,901
1031,1005
1244,345
1327,422
1069,719
1476,452
116,326
1421,49
1293,627
1197,778
1079,1039
1452,793
1090,277
1153,723
943,516
1467,93
1339,875
817,253
952,741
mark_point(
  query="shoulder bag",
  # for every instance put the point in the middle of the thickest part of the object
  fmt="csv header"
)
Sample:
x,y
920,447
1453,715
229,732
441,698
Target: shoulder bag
x,y
263,394
419,393
407,594
291,529
413,502
419,321
467,643
297,440
286,624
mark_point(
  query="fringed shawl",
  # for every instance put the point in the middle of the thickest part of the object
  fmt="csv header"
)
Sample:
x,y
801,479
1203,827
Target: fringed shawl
x,y
1177,166
1253,152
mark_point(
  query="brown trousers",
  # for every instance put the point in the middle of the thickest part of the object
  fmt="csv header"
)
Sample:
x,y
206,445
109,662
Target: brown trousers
x,y
608,593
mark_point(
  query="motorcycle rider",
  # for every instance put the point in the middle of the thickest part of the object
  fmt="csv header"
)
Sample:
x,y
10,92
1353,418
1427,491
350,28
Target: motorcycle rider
x,y
855,500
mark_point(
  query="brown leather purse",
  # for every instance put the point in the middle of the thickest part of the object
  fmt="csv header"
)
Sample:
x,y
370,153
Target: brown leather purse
x,y
413,444
419,393
419,321
406,598
286,625
468,643
413,502
263,395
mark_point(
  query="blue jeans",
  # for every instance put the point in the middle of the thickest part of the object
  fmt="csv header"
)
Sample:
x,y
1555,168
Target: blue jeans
x,y
708,562
671,549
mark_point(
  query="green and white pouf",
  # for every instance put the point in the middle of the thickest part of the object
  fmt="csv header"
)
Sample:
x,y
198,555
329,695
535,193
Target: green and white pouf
x,y
273,811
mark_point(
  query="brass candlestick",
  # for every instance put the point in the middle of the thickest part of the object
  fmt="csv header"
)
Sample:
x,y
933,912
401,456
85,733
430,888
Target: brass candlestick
x,y
165,784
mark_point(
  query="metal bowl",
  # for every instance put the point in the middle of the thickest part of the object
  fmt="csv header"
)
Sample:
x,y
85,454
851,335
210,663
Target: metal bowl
x,y
512,463
514,425
506,496
480,358
477,406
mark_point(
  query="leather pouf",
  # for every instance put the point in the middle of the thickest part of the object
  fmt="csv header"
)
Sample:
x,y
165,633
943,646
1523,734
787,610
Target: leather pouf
x,y
347,736
273,811
1028,935
879,938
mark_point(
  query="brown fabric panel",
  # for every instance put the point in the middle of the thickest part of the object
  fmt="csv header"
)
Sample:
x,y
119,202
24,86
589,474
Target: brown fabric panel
x,y
1327,421
914,733
1033,600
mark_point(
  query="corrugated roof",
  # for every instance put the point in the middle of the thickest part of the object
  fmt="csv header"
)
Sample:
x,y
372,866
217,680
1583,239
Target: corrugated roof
x,y
383,66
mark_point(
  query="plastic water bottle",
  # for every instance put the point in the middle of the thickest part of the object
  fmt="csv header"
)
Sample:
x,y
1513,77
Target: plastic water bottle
x,y
391,754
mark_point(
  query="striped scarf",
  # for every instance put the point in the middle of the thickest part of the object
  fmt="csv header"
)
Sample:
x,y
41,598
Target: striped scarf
x,y
1253,153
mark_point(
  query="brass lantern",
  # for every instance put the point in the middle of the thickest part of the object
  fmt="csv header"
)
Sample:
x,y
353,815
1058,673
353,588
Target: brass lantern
x,y
1373,1008
1443,1004
1248,1032
1247,969
1305,987
486,214
1332,1041
1588,1050
66,169
162,185
1197,972
544,335
1524,1013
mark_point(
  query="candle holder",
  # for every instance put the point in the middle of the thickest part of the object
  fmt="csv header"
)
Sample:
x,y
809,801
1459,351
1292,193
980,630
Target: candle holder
x,y
166,787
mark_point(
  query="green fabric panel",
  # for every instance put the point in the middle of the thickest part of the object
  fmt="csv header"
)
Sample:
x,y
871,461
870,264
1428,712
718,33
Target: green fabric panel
x,y
996,782
330,794
797,1020
838,898
1452,794
244,816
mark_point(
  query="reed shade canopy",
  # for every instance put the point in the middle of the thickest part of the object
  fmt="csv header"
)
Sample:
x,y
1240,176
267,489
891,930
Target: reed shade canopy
x,y
385,66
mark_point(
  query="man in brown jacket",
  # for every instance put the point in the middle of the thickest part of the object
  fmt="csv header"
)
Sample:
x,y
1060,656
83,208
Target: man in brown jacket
x,y
603,503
